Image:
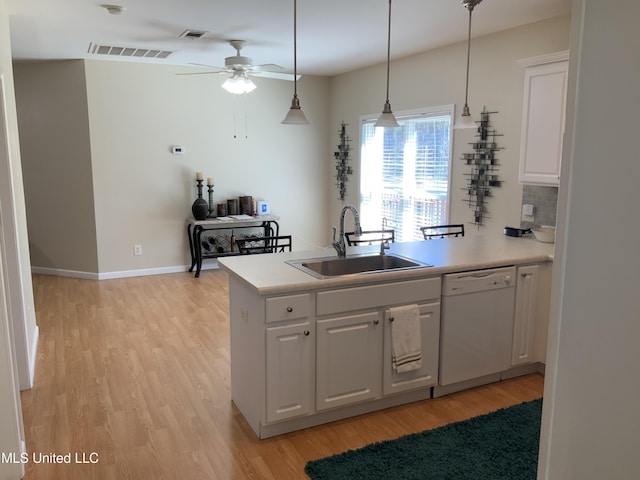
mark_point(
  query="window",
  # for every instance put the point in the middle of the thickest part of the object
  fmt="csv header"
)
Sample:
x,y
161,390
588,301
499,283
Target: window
x,y
405,172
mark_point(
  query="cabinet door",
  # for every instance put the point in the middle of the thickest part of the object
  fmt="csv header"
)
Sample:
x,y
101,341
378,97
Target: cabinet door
x,y
524,323
427,374
545,93
349,360
289,371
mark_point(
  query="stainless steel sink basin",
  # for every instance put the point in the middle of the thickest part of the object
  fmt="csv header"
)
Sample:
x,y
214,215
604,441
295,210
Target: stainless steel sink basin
x,y
357,264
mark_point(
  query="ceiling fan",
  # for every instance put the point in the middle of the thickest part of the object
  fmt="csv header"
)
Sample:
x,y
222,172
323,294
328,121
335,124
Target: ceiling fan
x,y
241,68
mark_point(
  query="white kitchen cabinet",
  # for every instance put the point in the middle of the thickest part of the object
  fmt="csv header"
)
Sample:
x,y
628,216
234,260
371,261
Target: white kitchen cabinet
x,y
349,360
524,321
543,118
354,356
289,370
531,314
289,348
427,374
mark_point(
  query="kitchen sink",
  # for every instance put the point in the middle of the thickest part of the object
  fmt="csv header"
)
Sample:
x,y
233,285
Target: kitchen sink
x,y
357,264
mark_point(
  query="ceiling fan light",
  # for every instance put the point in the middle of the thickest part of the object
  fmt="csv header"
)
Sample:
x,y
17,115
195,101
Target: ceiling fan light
x,y
239,84
295,115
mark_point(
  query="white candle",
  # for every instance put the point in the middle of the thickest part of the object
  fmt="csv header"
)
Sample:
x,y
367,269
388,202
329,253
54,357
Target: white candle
x,y
198,175
209,180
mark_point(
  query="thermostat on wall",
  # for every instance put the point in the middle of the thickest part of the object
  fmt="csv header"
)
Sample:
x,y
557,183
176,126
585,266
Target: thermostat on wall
x,y
264,208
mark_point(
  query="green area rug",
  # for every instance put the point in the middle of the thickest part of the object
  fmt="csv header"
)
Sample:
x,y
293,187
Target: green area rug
x,y
502,445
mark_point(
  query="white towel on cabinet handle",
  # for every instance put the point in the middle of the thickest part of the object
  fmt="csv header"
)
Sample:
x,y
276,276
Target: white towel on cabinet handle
x,y
406,343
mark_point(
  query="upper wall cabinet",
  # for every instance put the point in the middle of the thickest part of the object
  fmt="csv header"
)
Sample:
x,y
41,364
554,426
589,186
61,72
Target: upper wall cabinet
x,y
545,94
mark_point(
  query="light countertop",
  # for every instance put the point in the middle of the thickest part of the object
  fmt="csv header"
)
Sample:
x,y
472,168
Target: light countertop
x,y
269,274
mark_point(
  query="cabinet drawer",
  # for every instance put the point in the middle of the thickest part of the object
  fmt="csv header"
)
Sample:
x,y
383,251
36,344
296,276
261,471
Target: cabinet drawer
x,y
290,307
374,296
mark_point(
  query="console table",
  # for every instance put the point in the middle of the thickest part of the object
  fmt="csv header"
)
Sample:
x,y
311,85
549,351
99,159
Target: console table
x,y
196,228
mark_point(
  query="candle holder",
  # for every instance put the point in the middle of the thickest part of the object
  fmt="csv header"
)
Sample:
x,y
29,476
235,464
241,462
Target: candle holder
x,y
212,208
199,207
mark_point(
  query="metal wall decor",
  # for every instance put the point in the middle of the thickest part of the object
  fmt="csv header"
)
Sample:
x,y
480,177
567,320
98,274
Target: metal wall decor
x,y
484,167
342,162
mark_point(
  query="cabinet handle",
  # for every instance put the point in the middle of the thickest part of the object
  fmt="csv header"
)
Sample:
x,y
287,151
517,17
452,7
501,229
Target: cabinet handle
x,y
289,309
391,319
376,321
306,333
525,275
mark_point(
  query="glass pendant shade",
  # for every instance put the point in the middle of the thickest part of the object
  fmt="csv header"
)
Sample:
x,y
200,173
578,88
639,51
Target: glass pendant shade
x,y
238,84
465,120
295,115
387,118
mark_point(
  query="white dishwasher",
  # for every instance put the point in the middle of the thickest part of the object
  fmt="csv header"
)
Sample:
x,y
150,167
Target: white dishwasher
x,y
476,324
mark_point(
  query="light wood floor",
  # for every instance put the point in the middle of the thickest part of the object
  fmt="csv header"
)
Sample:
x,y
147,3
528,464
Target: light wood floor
x,y
137,371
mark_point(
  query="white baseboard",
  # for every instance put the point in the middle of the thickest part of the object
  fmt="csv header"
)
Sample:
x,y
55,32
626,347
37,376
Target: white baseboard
x,y
119,274
64,273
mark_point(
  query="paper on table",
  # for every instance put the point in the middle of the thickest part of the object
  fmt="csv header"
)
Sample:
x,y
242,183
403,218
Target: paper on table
x,y
224,218
242,217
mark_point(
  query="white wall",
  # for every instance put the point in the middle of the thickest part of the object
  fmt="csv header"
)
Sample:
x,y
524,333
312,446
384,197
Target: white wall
x,y
438,78
591,419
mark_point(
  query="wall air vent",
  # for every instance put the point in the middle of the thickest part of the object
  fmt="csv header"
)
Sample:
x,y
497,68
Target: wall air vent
x,y
115,51
193,34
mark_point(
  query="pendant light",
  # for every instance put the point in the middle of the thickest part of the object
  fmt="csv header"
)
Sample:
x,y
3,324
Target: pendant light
x,y
387,119
295,116
465,120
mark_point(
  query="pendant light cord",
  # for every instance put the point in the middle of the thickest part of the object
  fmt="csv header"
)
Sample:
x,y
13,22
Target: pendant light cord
x,y
295,50
389,50
466,93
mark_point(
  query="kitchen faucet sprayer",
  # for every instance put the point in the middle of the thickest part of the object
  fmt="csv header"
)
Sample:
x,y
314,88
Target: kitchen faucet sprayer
x,y
339,244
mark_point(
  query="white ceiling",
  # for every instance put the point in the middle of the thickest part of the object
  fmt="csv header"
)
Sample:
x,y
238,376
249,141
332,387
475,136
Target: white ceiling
x,y
334,36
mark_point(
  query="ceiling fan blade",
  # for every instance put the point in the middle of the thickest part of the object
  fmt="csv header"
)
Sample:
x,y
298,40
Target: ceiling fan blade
x,y
276,75
204,73
216,70
267,67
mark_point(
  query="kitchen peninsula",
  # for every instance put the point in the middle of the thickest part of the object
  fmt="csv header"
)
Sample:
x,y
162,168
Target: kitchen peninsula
x,y
307,350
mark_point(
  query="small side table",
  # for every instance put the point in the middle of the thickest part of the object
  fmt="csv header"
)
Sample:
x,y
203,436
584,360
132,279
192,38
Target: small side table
x,y
195,229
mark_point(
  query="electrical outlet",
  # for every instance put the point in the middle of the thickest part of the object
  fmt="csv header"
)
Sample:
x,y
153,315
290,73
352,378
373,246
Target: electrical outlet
x,y
137,249
527,212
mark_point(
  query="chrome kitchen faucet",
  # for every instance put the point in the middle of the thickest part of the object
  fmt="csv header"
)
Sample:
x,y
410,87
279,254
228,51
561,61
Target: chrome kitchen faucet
x,y
339,245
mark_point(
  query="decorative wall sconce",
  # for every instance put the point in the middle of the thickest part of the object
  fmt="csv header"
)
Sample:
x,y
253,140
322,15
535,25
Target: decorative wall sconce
x,y
342,162
484,167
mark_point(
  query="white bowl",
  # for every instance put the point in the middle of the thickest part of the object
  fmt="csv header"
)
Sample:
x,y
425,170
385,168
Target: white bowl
x,y
545,234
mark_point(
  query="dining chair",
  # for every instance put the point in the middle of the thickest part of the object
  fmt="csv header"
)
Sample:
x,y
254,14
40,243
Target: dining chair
x,y
442,231
272,244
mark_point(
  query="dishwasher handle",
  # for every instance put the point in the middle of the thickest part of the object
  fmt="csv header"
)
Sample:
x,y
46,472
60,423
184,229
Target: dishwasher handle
x,y
478,281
